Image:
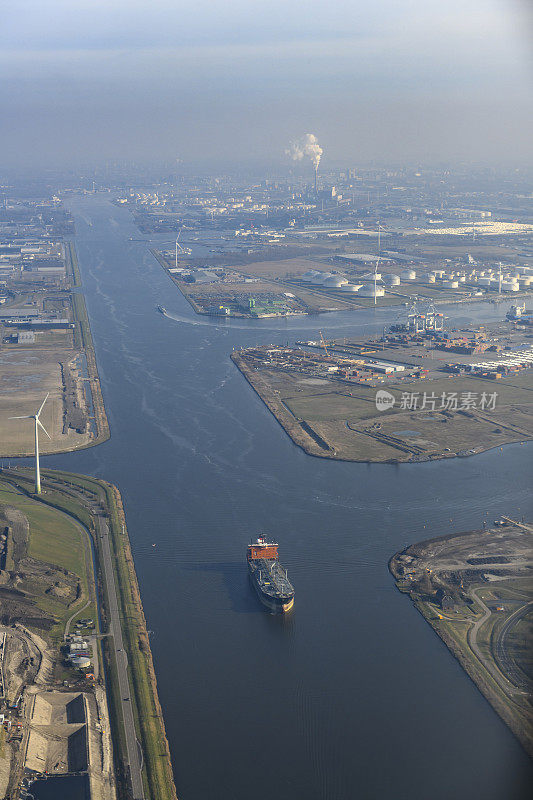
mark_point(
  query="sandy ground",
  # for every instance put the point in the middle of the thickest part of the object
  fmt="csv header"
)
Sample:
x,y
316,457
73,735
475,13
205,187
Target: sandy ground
x,y
5,769
58,735
26,376
293,267
66,730
46,666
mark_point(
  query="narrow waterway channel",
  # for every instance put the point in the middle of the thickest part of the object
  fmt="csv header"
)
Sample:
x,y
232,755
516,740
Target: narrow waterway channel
x,y
352,695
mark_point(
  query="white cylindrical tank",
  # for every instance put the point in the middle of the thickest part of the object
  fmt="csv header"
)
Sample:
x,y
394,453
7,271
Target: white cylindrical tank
x,y
351,287
526,280
309,275
320,277
429,278
335,282
484,281
392,280
451,284
82,662
510,286
368,291
462,278
408,274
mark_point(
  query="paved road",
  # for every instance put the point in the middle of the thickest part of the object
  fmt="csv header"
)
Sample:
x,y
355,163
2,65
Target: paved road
x,y
69,620
472,641
504,660
132,745
133,748
502,676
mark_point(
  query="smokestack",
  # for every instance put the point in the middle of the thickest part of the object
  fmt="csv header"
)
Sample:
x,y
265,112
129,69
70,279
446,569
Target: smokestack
x,y
307,147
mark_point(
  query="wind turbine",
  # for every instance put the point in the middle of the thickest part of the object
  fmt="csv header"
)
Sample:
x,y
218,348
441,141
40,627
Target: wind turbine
x,y
38,424
376,278
178,246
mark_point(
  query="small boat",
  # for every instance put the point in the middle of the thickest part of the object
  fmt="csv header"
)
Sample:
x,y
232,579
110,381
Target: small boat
x,y
162,309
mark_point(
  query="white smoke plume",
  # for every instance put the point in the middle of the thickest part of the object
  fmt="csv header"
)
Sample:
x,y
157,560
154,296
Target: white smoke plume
x,y
306,147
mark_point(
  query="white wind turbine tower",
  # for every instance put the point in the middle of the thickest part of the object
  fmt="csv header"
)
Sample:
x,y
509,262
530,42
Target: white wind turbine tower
x,y
178,245
376,278
38,424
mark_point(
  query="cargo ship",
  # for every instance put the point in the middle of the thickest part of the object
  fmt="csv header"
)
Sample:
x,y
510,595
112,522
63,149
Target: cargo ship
x,y
268,577
520,314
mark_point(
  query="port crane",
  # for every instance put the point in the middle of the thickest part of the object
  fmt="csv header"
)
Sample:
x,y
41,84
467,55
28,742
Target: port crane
x,y
324,344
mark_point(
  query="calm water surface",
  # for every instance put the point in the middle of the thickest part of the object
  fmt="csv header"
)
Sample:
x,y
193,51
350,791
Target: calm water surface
x,y
352,695
69,787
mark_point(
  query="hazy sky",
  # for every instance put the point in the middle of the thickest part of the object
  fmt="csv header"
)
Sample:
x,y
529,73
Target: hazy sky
x,y
417,80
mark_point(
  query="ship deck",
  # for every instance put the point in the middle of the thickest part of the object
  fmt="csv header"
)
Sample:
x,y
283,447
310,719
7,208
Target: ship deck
x,y
273,580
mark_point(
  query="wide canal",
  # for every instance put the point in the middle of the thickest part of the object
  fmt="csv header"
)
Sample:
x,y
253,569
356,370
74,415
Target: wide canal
x,y
352,694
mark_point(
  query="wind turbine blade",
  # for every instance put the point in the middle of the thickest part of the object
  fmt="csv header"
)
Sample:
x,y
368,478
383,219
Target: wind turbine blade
x,y
40,424
44,401
28,417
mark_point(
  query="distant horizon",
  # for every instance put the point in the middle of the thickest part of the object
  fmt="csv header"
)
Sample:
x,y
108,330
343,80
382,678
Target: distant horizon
x,y
259,169
419,81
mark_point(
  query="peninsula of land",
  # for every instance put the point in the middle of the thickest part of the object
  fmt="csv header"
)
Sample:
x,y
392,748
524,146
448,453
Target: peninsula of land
x,y
417,393
474,589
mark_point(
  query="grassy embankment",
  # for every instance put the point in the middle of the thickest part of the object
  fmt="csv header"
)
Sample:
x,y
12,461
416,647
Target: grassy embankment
x,y
72,264
71,493
55,539
157,773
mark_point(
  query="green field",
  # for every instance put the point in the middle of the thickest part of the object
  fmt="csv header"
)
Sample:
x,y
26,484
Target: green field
x,y
56,539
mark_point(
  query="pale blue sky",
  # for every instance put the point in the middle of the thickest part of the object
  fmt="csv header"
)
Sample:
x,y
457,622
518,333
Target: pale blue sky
x,y
391,80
